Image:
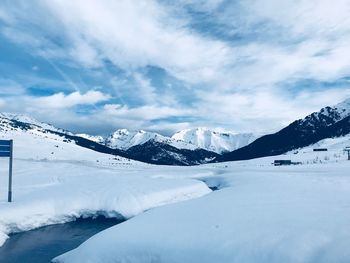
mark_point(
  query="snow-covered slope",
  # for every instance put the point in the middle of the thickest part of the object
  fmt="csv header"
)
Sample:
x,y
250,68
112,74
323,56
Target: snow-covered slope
x,y
124,139
36,143
55,182
30,120
343,108
339,111
261,213
327,116
49,141
335,153
210,140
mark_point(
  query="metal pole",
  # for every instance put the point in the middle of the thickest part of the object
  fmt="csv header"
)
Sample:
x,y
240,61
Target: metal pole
x,y
349,155
10,172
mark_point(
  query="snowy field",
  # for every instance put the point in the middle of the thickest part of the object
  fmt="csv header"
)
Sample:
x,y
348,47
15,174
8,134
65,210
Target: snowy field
x,y
56,181
260,213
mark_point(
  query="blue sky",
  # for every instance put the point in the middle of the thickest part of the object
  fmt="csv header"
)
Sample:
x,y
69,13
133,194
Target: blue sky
x,y
99,65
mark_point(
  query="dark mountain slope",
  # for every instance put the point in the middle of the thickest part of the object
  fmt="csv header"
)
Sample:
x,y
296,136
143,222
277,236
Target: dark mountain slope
x,y
327,123
160,153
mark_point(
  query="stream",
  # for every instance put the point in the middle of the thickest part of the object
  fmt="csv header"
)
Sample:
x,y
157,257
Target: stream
x,y
43,244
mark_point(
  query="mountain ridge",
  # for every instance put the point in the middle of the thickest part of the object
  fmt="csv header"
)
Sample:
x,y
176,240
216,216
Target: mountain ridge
x,y
327,123
161,153
195,146
125,139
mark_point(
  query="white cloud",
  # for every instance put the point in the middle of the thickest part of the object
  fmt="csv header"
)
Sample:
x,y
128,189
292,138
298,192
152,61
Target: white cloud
x,y
304,17
145,89
134,34
238,85
60,100
9,87
263,111
147,113
168,128
131,34
53,104
2,103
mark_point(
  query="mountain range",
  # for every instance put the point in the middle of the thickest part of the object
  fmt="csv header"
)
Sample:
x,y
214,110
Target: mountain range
x,y
329,122
193,146
143,146
187,147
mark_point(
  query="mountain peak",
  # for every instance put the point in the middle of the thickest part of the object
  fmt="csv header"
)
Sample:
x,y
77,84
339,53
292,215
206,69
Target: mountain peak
x,y
343,108
125,139
215,141
328,115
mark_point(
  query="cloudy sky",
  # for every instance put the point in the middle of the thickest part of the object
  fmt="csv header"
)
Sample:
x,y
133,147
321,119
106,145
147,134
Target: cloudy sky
x,y
243,65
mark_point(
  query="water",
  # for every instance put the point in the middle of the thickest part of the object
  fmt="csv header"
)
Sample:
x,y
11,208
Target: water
x,y
45,243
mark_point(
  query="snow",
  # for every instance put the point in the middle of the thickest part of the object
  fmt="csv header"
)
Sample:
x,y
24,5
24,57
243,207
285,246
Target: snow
x,y
261,213
334,154
28,119
57,191
55,181
124,139
215,141
38,145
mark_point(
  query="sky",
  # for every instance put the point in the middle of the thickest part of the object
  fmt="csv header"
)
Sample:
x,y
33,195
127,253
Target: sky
x,y
95,66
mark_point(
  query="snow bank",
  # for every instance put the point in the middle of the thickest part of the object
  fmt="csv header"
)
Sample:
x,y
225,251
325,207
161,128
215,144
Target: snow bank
x,y
56,192
55,181
265,214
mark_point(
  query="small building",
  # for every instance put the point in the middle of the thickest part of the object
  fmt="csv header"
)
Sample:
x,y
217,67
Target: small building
x,y
282,162
320,150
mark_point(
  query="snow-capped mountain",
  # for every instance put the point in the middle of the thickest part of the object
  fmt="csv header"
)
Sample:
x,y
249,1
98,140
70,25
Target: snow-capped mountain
x,y
329,122
190,139
214,141
154,148
124,139
184,147
328,115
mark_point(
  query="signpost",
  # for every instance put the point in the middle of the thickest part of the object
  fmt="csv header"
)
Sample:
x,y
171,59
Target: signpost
x,y
347,149
6,150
